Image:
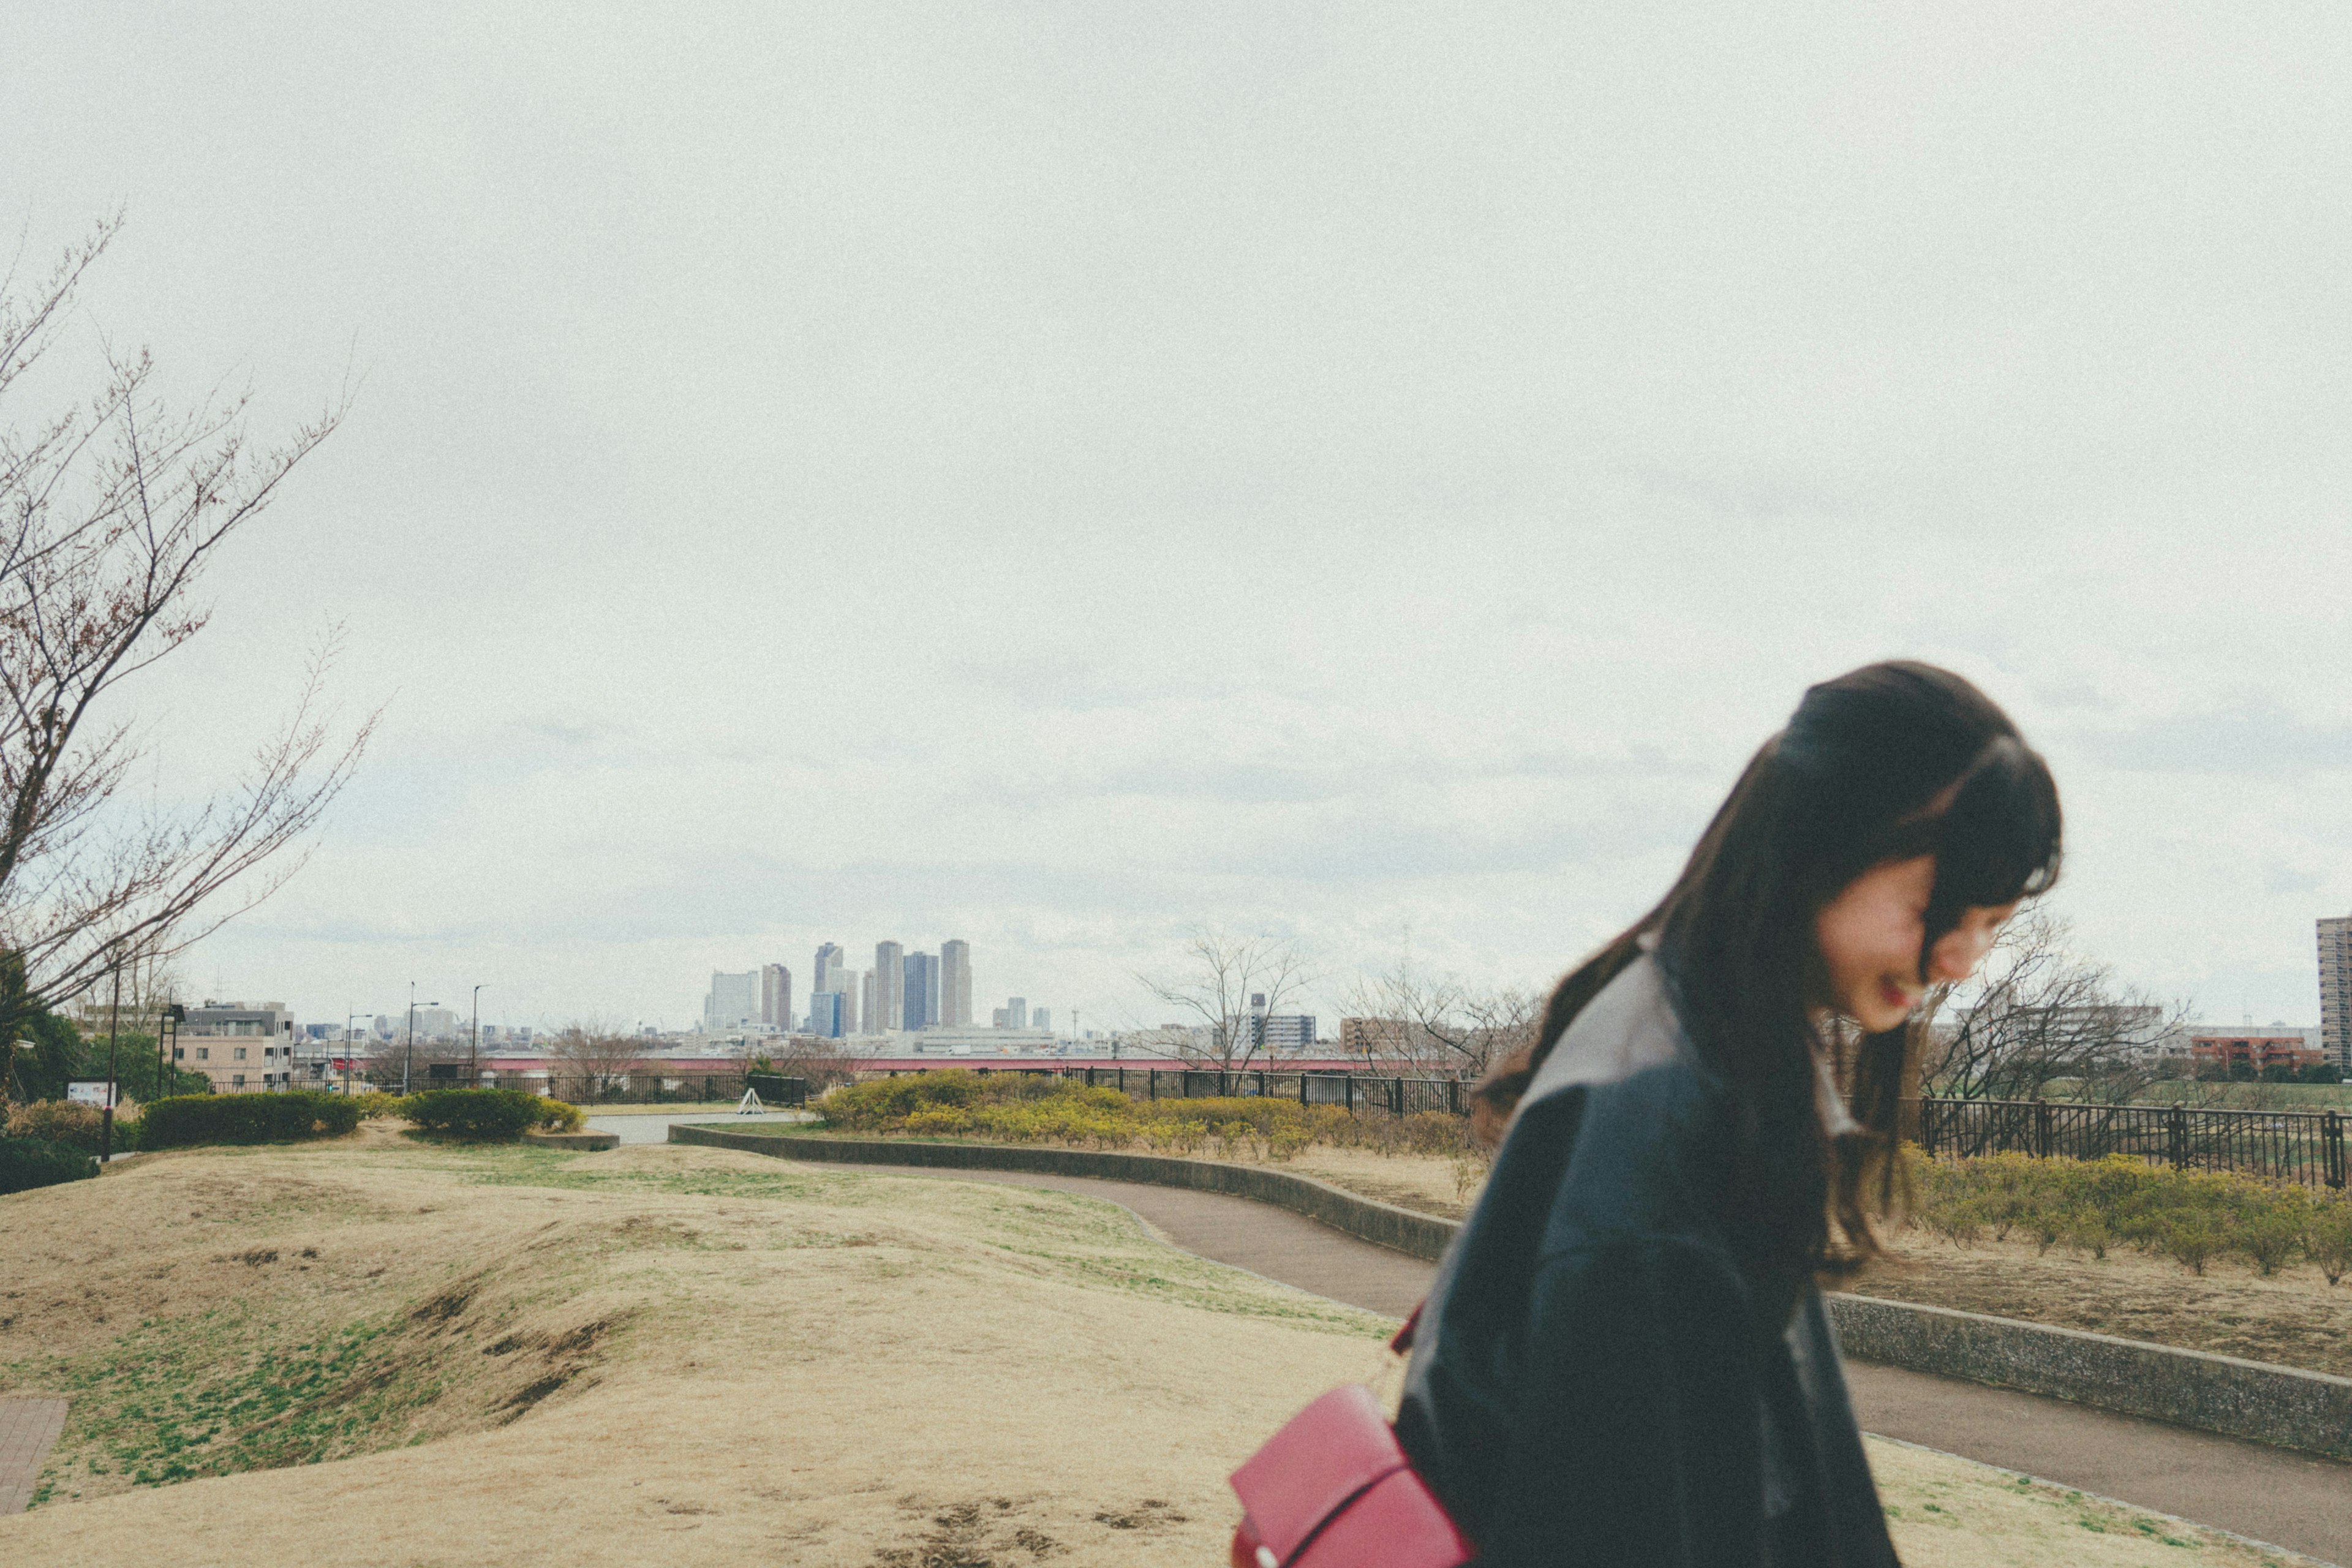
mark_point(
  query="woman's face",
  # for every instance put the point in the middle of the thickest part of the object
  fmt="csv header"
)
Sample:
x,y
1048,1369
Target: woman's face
x,y
1869,937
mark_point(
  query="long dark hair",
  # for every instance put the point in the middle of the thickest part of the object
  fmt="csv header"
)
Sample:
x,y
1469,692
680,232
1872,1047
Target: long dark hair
x,y
1889,762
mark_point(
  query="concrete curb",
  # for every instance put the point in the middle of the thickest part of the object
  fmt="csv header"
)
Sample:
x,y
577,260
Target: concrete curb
x,y
1384,1224
2277,1404
589,1140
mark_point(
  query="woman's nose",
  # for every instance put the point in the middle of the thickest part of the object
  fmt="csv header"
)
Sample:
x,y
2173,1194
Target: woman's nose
x,y
1956,956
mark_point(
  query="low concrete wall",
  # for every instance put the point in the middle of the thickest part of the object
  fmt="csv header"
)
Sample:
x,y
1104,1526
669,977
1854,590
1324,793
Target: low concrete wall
x,y
1417,1235
2294,1409
588,1141
2280,1405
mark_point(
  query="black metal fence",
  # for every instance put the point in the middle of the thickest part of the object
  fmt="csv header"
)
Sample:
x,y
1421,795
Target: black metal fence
x,y
1369,1092
2306,1146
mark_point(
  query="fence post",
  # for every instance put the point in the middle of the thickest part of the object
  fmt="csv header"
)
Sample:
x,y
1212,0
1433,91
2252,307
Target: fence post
x,y
1454,1095
2175,1138
1302,1086
2042,1128
1396,1098
1351,1081
1261,1083
1155,1081
2331,1134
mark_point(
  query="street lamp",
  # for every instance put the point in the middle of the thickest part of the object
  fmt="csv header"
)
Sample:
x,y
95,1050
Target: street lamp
x,y
409,1061
167,1027
474,1068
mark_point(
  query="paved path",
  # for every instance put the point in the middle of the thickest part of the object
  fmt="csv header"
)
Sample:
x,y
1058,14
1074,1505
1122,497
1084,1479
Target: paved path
x,y
2291,1499
642,1129
27,1426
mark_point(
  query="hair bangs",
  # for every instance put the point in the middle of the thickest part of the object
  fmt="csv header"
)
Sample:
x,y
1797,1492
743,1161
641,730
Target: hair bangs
x,y
2000,839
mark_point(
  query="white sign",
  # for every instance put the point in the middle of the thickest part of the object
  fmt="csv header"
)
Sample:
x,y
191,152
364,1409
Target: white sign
x,y
91,1092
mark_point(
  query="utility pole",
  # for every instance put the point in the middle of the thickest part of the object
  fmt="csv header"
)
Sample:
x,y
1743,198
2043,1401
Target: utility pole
x,y
474,1068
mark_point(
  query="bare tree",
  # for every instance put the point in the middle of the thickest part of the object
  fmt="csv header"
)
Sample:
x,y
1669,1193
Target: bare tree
x,y
595,1057
1440,1026
2037,1015
821,1062
110,515
1230,983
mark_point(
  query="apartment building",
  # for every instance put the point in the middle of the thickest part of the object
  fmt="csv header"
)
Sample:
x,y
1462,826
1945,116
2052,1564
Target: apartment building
x,y
243,1048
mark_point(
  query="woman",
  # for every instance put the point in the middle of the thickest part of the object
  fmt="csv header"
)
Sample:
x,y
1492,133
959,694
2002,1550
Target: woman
x,y
1625,1358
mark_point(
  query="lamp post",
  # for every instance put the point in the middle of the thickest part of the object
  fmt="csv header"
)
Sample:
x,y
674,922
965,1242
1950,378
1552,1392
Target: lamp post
x,y
167,1027
474,1068
113,1033
409,1061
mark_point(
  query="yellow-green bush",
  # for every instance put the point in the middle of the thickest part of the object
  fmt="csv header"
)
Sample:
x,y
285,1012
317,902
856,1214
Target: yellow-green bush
x,y
2191,1216
1023,1109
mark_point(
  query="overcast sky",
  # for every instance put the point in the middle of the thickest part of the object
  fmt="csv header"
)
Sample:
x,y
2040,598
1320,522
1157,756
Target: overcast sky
x,y
1051,474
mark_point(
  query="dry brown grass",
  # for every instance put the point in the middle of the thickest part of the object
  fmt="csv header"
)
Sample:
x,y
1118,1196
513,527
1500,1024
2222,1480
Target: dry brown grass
x,y
694,1355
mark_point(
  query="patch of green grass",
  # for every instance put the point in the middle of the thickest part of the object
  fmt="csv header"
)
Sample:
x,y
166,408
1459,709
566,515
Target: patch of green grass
x,y
176,1399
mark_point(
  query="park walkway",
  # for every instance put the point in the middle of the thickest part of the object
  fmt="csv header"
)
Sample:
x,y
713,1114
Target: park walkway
x,y
2296,1500
28,1425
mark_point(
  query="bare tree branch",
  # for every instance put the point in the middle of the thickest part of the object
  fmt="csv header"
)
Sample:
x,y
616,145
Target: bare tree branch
x,y
109,518
1219,976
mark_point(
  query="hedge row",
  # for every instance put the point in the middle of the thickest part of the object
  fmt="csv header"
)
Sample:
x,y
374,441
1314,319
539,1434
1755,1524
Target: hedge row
x,y
487,1115
189,1118
1021,1109
29,1163
2090,1206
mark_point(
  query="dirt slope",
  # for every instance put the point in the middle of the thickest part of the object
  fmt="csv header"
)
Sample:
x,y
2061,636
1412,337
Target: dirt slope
x,y
523,1357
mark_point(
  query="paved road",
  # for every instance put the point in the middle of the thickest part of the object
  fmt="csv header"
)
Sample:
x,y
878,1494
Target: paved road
x,y
2291,1499
655,1129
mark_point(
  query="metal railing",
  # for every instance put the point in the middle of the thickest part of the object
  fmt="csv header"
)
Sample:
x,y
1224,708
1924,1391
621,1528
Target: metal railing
x,y
2306,1146
1369,1092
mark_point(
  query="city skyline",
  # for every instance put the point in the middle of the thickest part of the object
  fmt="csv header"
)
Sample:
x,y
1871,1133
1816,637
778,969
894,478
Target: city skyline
x,y
1568,478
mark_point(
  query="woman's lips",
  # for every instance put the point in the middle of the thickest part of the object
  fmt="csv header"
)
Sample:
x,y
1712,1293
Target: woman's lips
x,y
1894,996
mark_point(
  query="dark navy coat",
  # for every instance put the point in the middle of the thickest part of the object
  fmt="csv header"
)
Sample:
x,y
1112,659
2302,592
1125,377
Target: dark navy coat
x,y
1598,1379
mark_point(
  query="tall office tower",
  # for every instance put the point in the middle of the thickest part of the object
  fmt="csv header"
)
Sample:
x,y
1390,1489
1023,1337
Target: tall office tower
x,y
889,973
844,981
922,973
776,996
733,1000
868,1005
2336,991
828,968
955,983
824,1014
1016,1013
1041,1019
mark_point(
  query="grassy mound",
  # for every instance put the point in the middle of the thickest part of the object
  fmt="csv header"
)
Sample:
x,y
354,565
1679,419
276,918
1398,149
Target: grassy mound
x,y
501,1355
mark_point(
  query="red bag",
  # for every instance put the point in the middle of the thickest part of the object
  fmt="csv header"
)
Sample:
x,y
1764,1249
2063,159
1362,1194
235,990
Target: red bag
x,y
1334,1490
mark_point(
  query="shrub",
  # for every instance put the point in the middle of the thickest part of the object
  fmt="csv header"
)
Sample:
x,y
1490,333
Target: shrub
x,y
482,1115
375,1104
2329,1238
560,1116
193,1119
29,1163
60,1121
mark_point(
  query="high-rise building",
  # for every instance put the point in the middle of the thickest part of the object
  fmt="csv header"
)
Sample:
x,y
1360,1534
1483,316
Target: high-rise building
x,y
734,1002
775,997
827,976
845,981
922,989
870,1005
1016,1013
1041,1019
890,972
824,1014
2336,991
955,983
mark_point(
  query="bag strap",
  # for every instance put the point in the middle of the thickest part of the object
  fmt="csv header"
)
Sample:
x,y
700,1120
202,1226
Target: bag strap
x,y
1402,1340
